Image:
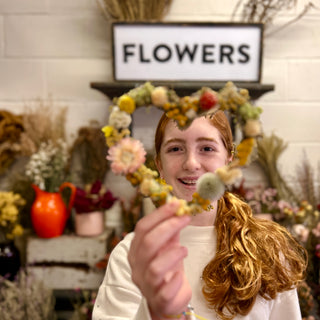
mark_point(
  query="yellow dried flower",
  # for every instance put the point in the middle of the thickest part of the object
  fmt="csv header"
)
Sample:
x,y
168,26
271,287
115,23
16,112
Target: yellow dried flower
x,y
127,104
10,204
107,130
244,150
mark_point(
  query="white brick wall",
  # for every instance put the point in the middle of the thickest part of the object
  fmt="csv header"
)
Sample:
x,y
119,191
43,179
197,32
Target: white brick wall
x,y
57,47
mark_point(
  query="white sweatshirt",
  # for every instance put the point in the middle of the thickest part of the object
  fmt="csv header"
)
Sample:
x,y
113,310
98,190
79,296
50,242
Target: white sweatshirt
x,y
118,298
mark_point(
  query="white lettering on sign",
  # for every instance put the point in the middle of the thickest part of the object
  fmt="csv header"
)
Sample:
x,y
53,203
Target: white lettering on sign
x,y
208,52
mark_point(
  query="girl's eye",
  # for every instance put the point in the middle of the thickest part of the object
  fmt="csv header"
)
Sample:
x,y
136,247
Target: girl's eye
x,y
173,149
208,149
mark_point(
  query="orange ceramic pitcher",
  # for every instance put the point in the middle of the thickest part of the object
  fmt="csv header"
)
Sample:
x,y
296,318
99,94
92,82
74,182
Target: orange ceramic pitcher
x,y
49,213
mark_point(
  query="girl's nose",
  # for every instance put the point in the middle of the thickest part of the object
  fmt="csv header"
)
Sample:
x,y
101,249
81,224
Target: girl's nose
x,y
191,162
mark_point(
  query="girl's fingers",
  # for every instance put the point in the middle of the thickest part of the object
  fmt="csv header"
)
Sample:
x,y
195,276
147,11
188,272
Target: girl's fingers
x,y
159,215
163,234
164,266
174,296
156,258
152,233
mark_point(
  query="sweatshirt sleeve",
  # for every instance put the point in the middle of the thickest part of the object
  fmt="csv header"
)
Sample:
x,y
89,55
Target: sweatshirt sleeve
x,y
286,306
118,297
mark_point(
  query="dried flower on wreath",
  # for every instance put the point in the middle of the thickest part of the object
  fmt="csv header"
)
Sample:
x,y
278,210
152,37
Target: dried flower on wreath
x,y
127,155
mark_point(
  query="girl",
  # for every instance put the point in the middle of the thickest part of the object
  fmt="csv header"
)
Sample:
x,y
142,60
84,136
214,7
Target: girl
x,y
223,262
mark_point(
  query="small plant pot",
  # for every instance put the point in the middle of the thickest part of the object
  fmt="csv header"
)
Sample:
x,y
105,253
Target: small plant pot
x,y
89,224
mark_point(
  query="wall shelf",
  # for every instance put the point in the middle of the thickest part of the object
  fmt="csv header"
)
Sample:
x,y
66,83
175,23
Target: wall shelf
x,y
182,88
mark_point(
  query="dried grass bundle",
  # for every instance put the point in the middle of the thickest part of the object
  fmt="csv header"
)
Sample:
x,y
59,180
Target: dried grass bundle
x,y
42,122
269,150
309,189
11,127
26,298
88,155
132,10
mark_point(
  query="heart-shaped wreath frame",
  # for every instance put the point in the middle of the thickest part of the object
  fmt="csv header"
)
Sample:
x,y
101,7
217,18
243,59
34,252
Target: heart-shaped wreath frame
x,y
127,155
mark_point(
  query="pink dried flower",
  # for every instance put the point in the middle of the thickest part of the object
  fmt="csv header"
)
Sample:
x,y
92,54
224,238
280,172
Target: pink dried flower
x,y
249,195
126,156
317,253
301,232
316,230
282,204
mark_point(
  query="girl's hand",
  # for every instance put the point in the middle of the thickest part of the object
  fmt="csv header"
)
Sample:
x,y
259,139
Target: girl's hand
x,y
156,259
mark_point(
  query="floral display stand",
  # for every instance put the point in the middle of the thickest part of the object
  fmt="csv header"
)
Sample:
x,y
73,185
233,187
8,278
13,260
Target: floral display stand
x,y
115,89
67,262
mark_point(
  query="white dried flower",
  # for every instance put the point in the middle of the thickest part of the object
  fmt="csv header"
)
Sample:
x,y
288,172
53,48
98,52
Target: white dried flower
x,y
228,175
252,128
159,96
119,119
191,114
209,186
48,164
148,186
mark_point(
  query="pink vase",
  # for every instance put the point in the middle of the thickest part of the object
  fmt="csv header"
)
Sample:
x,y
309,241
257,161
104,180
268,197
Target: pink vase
x,y
89,224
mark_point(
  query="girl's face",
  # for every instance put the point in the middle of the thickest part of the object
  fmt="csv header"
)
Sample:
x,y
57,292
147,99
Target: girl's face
x,y
185,155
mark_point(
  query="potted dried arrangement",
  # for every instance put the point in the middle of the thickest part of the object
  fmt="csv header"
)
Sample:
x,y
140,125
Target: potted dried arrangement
x,y
90,204
42,157
47,171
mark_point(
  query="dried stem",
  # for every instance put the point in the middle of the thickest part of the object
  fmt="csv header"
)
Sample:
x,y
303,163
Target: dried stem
x,y
304,11
262,11
305,178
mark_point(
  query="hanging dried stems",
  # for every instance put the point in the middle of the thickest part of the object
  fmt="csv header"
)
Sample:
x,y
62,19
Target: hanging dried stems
x,y
133,10
264,11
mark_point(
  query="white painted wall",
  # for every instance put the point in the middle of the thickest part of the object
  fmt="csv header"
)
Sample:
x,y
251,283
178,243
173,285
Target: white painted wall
x,y
57,47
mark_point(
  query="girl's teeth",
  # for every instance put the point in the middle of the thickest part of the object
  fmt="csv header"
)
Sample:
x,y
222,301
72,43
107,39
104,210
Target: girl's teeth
x,y
189,182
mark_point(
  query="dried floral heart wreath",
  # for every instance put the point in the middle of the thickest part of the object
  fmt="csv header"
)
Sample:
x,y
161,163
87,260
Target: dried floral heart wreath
x,y
127,155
